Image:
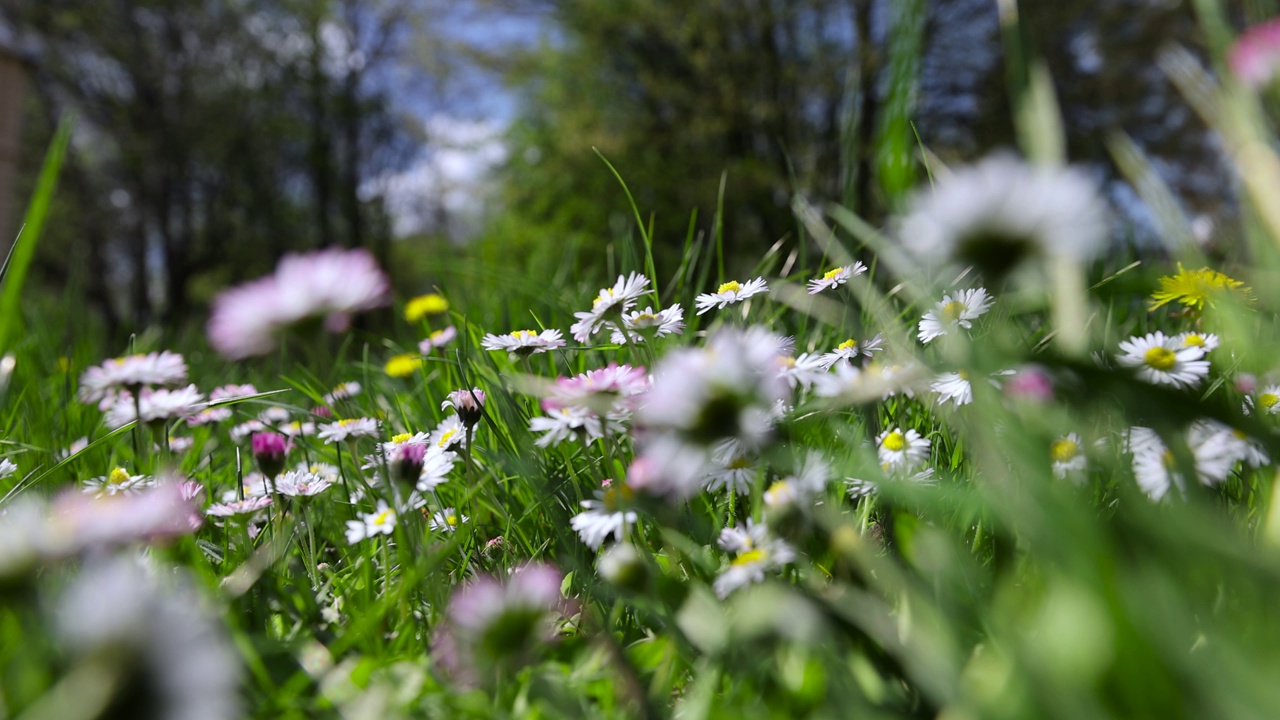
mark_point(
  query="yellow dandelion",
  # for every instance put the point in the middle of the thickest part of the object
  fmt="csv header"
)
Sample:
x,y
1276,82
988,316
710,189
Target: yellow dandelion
x,y
424,305
1196,288
403,365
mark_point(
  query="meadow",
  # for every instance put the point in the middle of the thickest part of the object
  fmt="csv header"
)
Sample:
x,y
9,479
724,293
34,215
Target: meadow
x,y
976,463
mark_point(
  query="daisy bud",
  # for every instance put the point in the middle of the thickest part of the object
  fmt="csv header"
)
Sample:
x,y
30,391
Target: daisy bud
x,y
1030,383
269,451
469,404
406,462
322,411
622,565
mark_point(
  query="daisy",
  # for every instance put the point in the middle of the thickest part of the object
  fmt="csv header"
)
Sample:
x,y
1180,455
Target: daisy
x,y
854,351
152,626
468,404
74,448
566,423
666,465
155,406
1002,212
450,434
239,507
380,522
524,342
902,451
7,468
132,372
348,430
437,339
324,470
446,520
953,386
245,429
605,516
803,487
609,305
302,484
1268,399
436,466
1205,341
756,555
836,277
297,428
801,371
342,391
117,482
604,391
232,392
644,324
857,488
955,311
730,468
330,284
1163,360
1067,454
208,416
730,293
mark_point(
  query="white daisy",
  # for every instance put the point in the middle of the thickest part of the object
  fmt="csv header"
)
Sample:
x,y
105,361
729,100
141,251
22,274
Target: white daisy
x,y
1002,211
609,305
801,371
1163,360
450,434
731,468
954,311
953,386
757,554
1205,341
566,423
836,277
117,482
730,293
297,428
854,351
606,515
348,429
342,391
246,429
857,488
380,522
155,406
1268,399
524,342
437,339
1067,454
209,415
803,487
302,484
232,392
644,324
901,451
7,468
446,520
436,466
132,372
239,507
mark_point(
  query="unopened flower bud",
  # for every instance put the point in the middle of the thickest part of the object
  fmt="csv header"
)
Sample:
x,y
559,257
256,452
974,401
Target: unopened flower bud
x,y
469,404
269,451
406,462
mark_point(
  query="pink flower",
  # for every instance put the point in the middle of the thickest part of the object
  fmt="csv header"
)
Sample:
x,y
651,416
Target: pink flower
x,y
1256,55
330,284
1030,383
269,451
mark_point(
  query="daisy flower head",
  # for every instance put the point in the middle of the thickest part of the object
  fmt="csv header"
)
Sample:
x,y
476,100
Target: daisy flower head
x,y
607,515
609,305
155,406
756,554
269,451
644,324
1197,288
902,451
854,351
730,467
379,522
447,520
7,468
604,391
247,506
329,285
296,483
437,339
1003,212
232,392
1164,360
802,371
727,389
1268,399
953,386
957,310
836,277
570,422
450,434
343,391
1205,341
348,430
117,482
424,305
524,342
803,487
1067,454
730,293
132,373
665,465
436,466
1255,57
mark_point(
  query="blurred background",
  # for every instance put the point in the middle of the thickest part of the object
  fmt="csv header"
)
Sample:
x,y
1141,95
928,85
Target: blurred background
x,y
211,136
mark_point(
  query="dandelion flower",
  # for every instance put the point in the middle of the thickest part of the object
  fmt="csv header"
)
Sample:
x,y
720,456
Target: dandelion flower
x,y
403,365
1164,360
730,293
424,305
1197,288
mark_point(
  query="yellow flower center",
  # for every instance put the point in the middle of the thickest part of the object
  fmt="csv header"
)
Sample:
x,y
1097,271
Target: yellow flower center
x,y
118,476
606,295
731,286
1167,459
1160,358
1193,340
786,361
524,334
402,437
952,311
750,556
1064,449
445,438
645,318
384,517
849,344
739,463
831,274
451,520
617,496
779,488
894,441
344,423
1268,400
